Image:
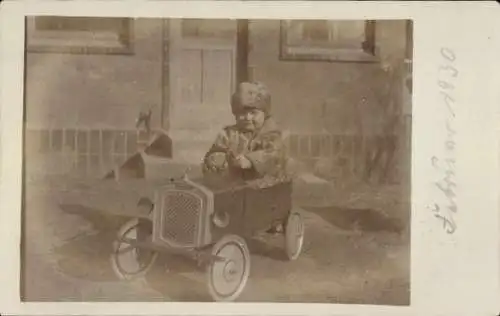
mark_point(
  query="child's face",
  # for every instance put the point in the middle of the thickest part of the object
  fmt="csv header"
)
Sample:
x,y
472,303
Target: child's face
x,y
250,119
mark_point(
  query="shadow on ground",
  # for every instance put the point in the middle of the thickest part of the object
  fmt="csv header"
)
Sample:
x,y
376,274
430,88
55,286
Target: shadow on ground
x,y
87,256
367,220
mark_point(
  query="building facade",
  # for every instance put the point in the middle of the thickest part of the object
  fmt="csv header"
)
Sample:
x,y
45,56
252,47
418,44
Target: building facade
x,y
340,89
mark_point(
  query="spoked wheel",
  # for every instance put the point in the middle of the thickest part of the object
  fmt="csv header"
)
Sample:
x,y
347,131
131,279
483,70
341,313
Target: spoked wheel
x,y
294,235
227,277
130,262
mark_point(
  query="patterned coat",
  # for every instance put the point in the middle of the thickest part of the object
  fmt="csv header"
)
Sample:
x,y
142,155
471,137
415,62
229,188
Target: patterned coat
x,y
264,149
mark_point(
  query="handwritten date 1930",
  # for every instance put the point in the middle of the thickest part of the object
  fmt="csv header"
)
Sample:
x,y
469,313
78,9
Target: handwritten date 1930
x,y
446,185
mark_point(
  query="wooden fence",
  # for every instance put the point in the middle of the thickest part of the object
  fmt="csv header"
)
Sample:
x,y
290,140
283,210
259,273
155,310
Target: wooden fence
x,y
92,152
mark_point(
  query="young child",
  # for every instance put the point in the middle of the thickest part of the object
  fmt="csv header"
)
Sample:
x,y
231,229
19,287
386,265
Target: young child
x,y
253,147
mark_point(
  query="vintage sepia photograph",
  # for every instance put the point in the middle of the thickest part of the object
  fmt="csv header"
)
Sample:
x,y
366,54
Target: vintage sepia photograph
x,y
217,160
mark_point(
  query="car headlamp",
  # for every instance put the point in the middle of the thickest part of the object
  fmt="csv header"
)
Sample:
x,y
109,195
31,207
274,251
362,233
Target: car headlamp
x,y
221,219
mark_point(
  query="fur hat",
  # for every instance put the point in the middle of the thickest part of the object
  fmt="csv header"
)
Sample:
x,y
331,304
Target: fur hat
x,y
251,95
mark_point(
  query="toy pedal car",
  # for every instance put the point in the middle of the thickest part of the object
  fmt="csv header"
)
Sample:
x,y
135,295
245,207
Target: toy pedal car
x,y
209,220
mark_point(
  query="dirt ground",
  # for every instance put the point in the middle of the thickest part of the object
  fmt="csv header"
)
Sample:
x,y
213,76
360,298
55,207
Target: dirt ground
x,y
356,251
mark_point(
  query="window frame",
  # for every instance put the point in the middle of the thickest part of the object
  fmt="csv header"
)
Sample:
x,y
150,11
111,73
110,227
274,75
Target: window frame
x,y
86,42
321,52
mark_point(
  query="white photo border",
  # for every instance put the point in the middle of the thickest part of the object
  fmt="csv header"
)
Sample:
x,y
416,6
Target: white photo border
x,y
455,274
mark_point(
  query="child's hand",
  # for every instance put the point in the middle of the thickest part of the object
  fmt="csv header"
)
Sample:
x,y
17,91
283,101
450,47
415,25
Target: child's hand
x,y
217,160
243,162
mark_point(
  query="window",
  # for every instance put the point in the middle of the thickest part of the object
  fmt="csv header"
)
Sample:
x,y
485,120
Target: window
x,y
325,40
79,35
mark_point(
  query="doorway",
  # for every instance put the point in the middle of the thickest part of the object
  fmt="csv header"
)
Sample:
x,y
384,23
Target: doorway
x,y
202,56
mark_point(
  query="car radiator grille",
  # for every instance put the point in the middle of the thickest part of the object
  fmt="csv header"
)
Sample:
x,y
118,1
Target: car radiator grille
x,y
181,218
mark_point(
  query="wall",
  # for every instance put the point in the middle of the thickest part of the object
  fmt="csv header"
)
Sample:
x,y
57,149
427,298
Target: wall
x,y
350,87
335,113
96,91
90,102
331,110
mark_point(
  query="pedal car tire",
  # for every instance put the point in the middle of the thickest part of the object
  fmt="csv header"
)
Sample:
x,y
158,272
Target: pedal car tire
x,y
121,258
294,235
227,278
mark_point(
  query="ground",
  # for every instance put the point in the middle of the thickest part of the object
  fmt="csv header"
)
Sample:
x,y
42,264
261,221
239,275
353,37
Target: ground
x,y
354,252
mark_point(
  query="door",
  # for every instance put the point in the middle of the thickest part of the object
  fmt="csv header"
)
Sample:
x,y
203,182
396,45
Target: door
x,y
202,78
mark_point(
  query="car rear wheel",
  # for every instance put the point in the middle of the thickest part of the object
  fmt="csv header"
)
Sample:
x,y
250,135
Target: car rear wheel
x,y
294,235
127,261
228,275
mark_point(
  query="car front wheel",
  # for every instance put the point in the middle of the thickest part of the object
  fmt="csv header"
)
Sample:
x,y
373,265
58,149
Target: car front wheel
x,y
228,274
